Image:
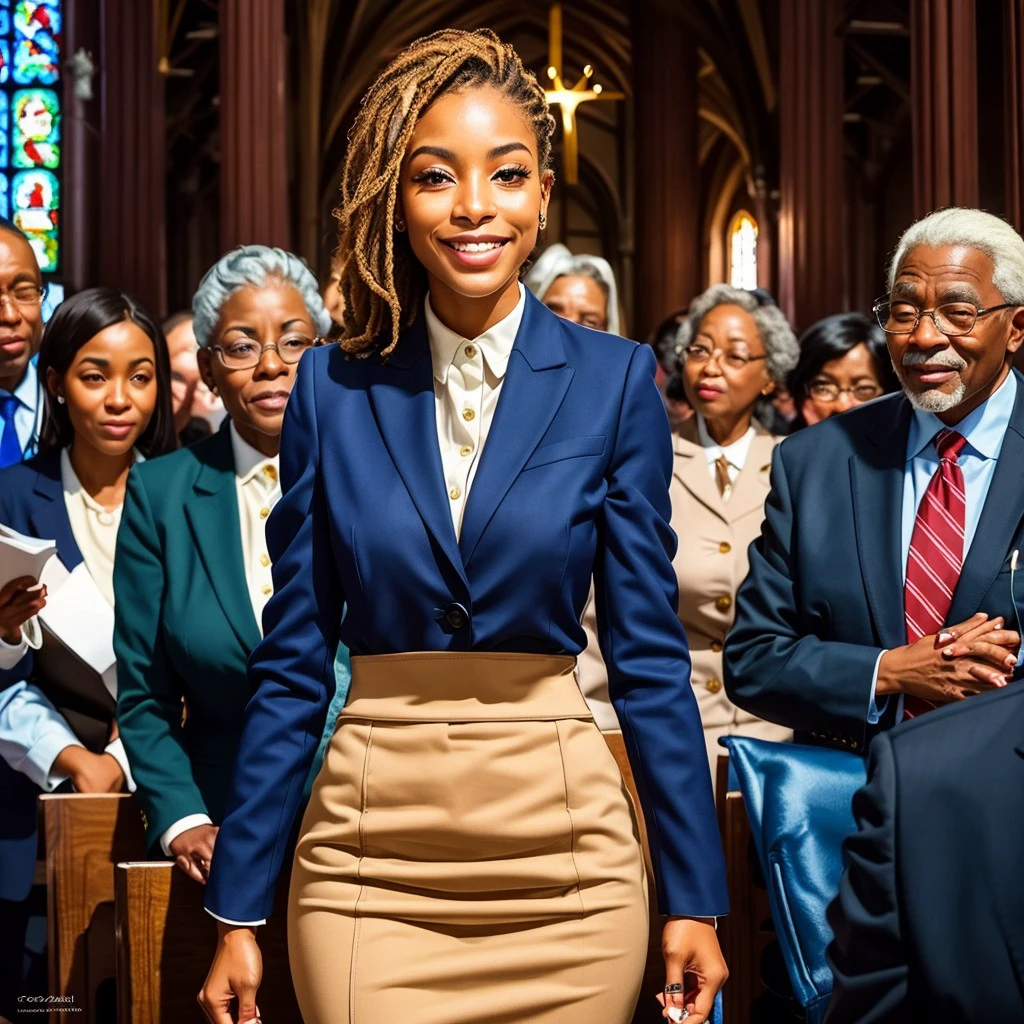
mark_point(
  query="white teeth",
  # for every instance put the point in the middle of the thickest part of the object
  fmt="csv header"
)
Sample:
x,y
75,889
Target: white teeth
x,y
475,246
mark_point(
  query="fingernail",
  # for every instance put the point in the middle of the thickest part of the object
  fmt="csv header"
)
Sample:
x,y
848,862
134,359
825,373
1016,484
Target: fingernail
x,y
676,1013
948,652
1010,662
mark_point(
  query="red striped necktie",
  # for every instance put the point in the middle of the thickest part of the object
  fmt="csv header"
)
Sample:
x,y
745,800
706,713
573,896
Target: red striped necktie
x,y
936,551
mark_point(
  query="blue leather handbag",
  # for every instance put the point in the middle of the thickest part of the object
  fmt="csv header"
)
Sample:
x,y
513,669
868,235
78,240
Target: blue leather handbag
x,y
798,799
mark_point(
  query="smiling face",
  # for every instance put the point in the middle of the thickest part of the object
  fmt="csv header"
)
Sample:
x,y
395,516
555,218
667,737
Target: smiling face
x,y
472,193
252,318
951,376
580,299
715,387
21,322
110,388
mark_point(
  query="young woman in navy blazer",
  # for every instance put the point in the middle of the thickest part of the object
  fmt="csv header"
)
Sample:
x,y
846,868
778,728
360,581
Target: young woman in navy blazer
x,y
468,849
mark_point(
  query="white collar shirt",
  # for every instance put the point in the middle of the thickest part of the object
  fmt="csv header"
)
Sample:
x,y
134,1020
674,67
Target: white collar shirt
x,y
735,453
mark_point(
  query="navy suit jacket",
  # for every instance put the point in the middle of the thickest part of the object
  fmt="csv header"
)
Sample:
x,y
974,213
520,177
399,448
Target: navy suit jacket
x,y
31,502
929,921
573,482
824,595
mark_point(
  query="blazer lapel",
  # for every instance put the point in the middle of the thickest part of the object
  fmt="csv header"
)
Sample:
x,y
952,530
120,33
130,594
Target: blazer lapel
x,y
535,385
690,468
212,516
752,485
403,403
50,515
1000,519
877,477
1008,900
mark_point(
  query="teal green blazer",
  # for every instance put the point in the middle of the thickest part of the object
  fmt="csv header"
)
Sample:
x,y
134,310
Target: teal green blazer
x,y
184,628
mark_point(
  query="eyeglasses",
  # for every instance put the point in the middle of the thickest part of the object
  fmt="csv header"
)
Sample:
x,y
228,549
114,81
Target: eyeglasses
x,y
951,318
698,354
245,354
826,391
24,294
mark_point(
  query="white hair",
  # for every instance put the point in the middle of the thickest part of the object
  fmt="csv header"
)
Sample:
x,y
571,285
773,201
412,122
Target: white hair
x,y
557,261
777,336
253,266
975,229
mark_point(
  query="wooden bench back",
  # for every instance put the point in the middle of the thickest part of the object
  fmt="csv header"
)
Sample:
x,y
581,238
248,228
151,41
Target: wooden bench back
x,y
84,836
165,944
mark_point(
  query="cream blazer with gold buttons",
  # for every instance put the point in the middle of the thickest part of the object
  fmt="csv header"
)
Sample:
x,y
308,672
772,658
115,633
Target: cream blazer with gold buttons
x,y
710,564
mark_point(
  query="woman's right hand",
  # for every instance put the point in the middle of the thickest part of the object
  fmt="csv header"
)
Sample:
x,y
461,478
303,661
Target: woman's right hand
x,y
192,851
236,973
17,605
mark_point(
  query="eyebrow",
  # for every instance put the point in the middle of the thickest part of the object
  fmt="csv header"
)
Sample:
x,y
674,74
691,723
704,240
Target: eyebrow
x,y
446,154
104,363
955,293
251,332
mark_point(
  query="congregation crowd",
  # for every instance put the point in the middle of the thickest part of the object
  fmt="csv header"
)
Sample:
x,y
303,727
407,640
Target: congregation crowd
x,y
847,508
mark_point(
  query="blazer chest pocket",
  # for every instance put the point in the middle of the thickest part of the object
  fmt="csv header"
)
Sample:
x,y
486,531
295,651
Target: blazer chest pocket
x,y
570,448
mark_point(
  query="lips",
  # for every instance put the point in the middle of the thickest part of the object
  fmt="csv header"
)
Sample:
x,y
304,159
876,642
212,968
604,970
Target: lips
x,y
270,401
12,344
475,250
933,374
708,391
117,429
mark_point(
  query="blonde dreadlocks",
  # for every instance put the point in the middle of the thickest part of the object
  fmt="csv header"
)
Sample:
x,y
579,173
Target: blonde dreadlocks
x,y
381,279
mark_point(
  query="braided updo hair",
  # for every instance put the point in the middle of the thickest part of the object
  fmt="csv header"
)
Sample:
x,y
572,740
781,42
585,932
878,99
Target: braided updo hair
x,y
381,279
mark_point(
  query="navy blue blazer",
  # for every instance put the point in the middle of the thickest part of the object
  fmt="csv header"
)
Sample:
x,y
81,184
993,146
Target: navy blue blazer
x,y
573,482
824,595
929,921
31,502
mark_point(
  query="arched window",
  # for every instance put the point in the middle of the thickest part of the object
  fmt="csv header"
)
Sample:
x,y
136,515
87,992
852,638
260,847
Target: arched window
x,y
743,250
30,129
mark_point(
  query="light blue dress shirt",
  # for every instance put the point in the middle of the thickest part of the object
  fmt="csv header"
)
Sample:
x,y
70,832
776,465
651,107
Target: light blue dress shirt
x,y
984,430
28,412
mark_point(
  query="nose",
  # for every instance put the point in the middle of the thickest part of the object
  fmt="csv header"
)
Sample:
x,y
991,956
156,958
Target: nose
x,y
926,334
10,311
117,397
474,201
713,368
271,365
846,401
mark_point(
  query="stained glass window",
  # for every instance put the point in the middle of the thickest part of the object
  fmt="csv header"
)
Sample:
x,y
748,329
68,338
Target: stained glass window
x,y
30,123
743,251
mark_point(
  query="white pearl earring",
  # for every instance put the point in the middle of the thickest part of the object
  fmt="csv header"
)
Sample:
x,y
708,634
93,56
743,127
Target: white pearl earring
x,y
60,399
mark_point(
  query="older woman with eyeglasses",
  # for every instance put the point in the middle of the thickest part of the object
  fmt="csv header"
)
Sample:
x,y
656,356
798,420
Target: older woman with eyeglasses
x,y
734,352
192,572
843,362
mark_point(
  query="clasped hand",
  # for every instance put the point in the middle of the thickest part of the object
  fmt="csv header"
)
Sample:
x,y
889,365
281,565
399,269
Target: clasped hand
x,y
18,603
979,655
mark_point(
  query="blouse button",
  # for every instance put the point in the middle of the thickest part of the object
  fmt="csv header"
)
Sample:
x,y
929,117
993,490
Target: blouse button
x,y
724,603
264,560
470,351
725,547
455,494
267,590
466,449
264,512
713,685
468,414
105,518
716,646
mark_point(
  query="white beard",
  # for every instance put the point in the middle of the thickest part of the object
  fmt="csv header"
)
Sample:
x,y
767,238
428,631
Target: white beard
x,y
935,400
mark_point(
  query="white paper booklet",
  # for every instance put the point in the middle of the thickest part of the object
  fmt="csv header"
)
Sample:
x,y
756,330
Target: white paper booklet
x,y
79,616
22,556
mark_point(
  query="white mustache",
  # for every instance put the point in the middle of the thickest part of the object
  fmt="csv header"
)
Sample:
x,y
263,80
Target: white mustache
x,y
945,357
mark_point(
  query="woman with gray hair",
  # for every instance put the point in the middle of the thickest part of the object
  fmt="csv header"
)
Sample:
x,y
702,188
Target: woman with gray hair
x,y
579,288
192,573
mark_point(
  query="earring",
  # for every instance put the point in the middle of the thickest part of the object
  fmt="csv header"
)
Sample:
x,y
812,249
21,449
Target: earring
x,y
60,399
543,221
399,224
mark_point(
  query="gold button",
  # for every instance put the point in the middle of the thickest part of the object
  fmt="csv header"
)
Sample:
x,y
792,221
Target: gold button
x,y
466,449
470,351
267,590
724,603
455,494
270,471
725,547
468,414
716,646
264,512
713,685
264,560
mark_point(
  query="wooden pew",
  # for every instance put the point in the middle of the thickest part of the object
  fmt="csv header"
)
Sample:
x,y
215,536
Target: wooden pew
x,y
165,943
84,836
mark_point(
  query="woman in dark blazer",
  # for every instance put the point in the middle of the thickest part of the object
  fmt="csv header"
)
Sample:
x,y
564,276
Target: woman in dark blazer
x,y
104,364
192,571
468,849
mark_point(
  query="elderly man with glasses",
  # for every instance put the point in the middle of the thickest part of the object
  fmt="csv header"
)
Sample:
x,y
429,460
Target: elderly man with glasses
x,y
884,582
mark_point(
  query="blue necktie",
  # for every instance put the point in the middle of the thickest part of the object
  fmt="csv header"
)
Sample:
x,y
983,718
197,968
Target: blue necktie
x,y
10,446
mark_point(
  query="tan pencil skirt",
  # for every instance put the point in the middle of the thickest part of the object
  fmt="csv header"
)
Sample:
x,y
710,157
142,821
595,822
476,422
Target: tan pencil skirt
x,y
469,852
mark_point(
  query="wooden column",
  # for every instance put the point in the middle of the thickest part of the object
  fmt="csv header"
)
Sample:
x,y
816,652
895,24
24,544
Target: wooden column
x,y
810,226
944,104
131,254
1013,105
253,164
667,167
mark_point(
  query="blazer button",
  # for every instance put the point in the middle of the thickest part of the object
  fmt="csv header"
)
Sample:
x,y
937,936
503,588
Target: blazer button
x,y
713,685
724,603
456,616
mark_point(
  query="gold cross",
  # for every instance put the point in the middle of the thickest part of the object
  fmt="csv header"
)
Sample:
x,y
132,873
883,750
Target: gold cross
x,y
569,99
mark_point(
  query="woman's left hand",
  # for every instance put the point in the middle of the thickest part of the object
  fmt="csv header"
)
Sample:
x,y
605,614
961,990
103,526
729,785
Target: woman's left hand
x,y
694,960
